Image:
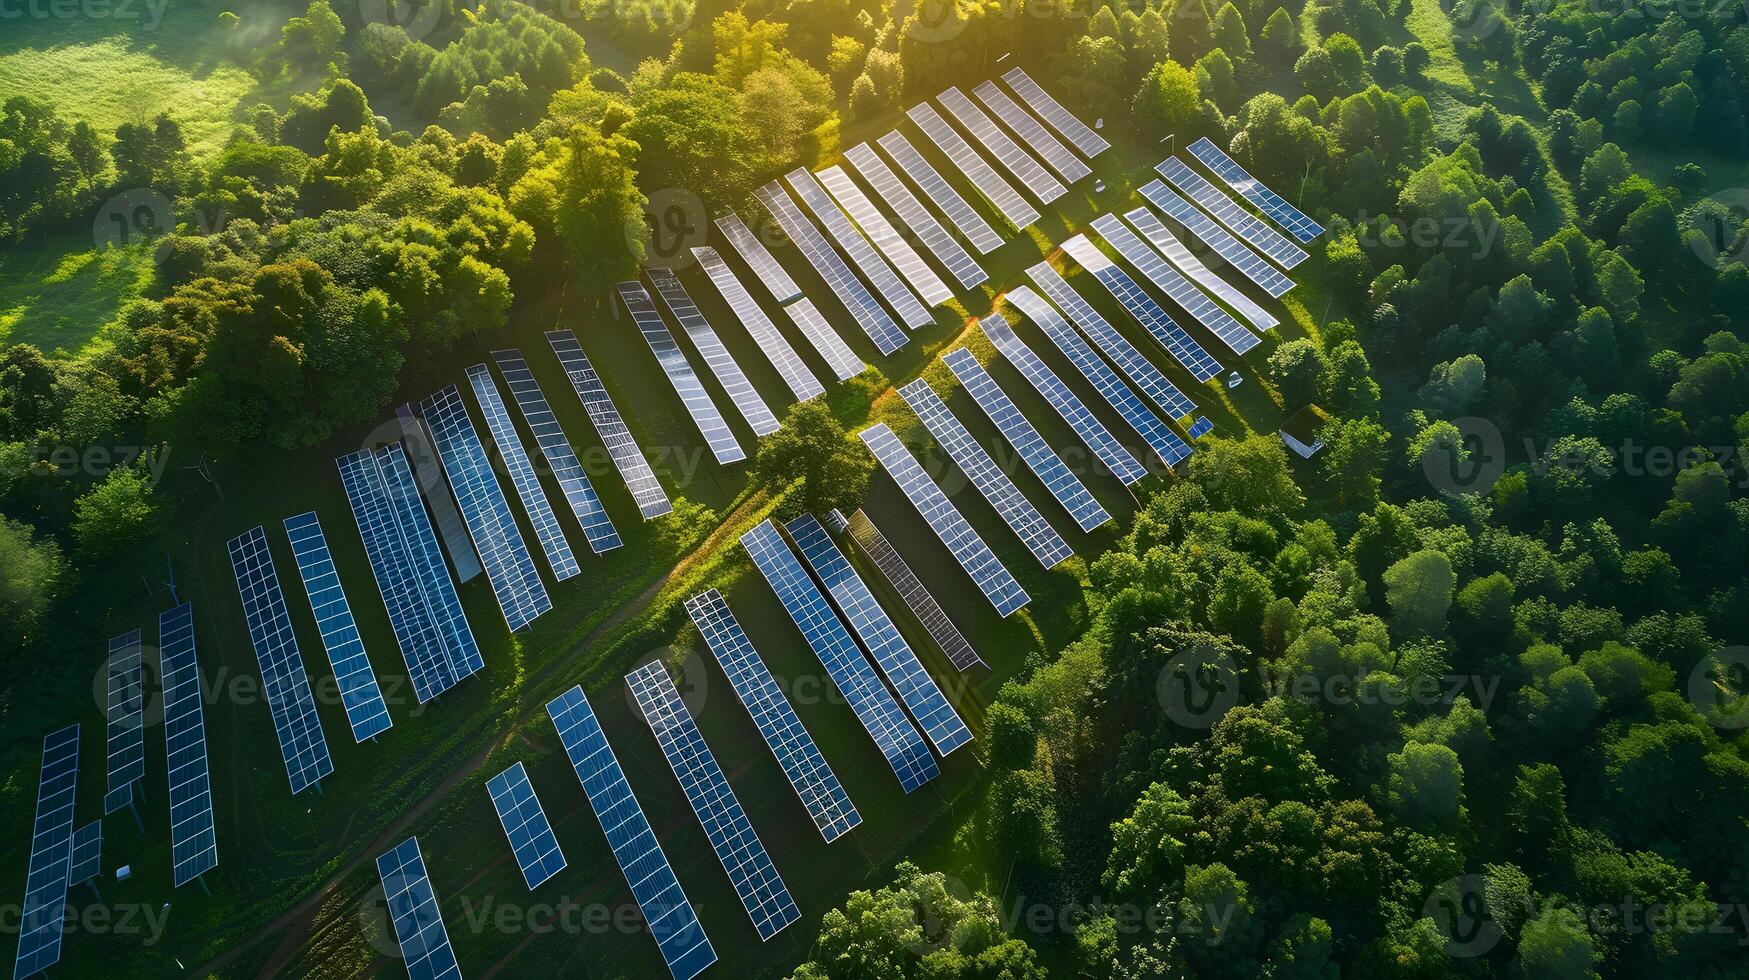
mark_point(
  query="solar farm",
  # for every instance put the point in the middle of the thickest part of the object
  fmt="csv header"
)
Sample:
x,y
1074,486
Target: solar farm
x,y
566,656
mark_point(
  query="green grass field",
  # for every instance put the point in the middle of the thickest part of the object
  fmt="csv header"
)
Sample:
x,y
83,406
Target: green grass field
x,y
57,291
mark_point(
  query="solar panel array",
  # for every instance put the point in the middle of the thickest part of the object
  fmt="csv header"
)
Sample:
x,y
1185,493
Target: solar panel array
x,y
986,570
412,906
301,741
517,586
771,340
87,860
41,919
669,915
1009,503
1044,462
359,693
556,450
1251,189
915,216
704,338
845,663
526,825
1031,174
554,547
1142,306
1247,225
1090,143
916,689
1194,301
898,574
193,848
1236,253
821,793
970,223
627,457
680,374
759,258
875,269
743,855
1200,428
1066,403
868,313
1154,230
885,237
428,478
1001,195
455,637
123,713
808,319
1050,149
1132,362
1118,395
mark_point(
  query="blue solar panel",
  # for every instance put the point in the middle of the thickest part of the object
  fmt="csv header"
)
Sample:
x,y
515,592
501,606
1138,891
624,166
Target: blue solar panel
x,y
868,313
971,225
874,706
919,692
772,343
556,450
989,183
693,397
1140,305
1253,190
42,917
875,269
1154,230
502,431
986,570
669,915
1090,143
1183,292
1015,510
525,823
808,319
1201,427
892,566
885,237
1118,395
1032,175
704,337
1247,225
743,855
413,907
821,793
915,216
755,254
1050,149
193,848
123,712
359,692
428,475
87,862
301,741
646,491
1044,462
1236,253
509,567
1132,362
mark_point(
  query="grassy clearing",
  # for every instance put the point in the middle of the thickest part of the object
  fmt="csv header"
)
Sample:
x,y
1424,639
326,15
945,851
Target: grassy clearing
x,y
57,292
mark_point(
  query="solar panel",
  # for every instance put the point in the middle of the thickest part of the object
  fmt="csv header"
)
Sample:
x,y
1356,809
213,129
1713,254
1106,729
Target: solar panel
x,y
892,566
1236,253
869,314
875,269
916,689
704,337
1050,149
845,663
516,584
759,258
1044,462
1142,306
669,915
42,917
1087,426
1154,230
1251,189
771,341
1032,175
1016,511
970,223
556,450
743,856
627,457
986,570
843,361
1132,362
1247,225
1003,197
359,692
87,861
680,374
1200,428
413,907
821,793
455,637
1194,301
885,237
1090,143
502,431
915,216
123,713
526,825
1118,395
428,476
193,848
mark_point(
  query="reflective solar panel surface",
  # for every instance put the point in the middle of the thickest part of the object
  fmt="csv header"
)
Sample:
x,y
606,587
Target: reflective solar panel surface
x,y
1031,174
1154,230
845,663
193,848
885,237
970,223
807,318
525,824
1090,143
1194,301
868,313
1255,191
918,691
704,338
1236,253
1140,305
359,692
1050,149
533,496
759,258
627,457
875,269
1001,195
429,479
776,347
454,635
986,570
717,435
123,712
668,914
815,783
87,862
41,919
1200,428
738,848
898,574
1044,462
1247,225
301,741
413,907
915,216
1132,362
556,450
